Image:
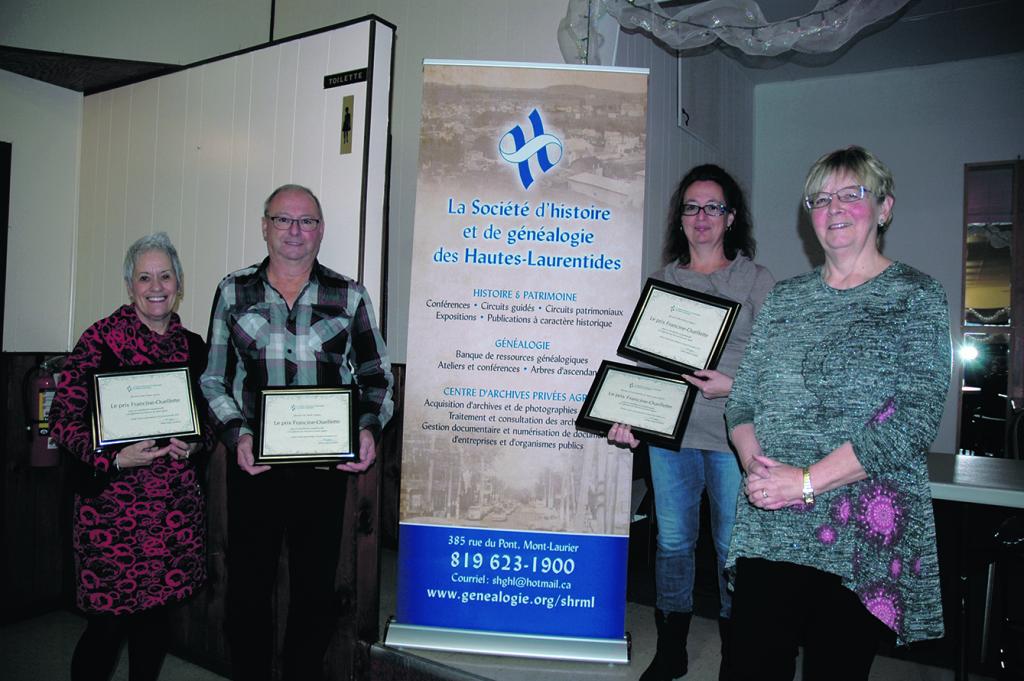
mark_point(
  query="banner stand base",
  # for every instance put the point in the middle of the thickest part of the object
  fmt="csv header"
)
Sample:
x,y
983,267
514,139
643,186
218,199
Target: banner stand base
x,y
413,636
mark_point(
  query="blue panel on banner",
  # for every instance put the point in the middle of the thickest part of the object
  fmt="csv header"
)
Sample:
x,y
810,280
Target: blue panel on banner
x,y
512,581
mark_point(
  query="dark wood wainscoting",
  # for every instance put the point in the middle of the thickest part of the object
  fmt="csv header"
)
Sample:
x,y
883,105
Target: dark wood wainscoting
x,y
199,623
38,570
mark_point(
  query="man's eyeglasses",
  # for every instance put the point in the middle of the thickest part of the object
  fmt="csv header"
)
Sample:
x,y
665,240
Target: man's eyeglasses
x,y
306,224
845,195
712,210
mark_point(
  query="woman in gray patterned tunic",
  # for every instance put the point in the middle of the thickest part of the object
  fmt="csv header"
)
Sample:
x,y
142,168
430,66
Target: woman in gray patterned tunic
x,y
832,411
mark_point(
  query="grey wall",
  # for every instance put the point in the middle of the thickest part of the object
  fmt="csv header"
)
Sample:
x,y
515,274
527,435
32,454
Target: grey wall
x,y
179,32
925,123
671,151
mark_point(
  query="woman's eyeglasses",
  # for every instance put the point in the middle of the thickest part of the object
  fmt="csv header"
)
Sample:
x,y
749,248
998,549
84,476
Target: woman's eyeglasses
x,y
845,195
712,210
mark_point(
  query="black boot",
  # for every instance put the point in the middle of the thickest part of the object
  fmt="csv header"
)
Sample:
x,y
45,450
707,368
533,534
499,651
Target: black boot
x,y
724,633
670,659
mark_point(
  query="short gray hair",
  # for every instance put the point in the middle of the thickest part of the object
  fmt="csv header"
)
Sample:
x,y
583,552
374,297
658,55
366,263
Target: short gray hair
x,y
153,242
292,188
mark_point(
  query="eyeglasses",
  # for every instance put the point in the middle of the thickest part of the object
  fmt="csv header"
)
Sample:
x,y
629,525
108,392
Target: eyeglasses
x,y
845,195
712,210
306,224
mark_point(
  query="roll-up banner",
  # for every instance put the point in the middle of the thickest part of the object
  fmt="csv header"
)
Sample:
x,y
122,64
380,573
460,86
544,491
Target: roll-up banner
x,y
526,266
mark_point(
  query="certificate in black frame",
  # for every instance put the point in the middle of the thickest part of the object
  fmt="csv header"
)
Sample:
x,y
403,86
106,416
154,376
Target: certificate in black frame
x,y
345,397
652,325
158,390
621,393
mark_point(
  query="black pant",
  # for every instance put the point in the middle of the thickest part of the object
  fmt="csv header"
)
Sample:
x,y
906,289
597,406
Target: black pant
x,y
305,505
99,647
778,606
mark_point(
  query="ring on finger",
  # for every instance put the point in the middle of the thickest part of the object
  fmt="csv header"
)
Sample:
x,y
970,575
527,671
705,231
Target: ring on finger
x,y
764,494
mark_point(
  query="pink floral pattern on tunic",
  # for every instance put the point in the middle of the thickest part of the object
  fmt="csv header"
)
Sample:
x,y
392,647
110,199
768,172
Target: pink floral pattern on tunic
x,y
880,513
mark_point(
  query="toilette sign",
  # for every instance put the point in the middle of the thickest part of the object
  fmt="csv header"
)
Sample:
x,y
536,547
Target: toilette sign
x,y
346,78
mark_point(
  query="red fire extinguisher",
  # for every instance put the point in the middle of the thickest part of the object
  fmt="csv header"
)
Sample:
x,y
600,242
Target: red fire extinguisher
x,y
40,387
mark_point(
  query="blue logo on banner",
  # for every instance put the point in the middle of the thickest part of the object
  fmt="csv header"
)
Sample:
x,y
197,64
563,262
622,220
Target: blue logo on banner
x,y
515,148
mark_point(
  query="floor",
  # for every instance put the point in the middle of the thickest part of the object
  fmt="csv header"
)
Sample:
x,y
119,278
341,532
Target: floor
x,y
40,649
702,647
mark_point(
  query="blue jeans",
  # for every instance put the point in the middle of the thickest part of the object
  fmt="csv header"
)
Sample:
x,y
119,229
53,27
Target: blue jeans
x,y
679,477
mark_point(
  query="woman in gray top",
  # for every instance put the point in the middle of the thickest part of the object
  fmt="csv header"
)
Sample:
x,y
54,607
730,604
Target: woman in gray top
x,y
709,247
834,406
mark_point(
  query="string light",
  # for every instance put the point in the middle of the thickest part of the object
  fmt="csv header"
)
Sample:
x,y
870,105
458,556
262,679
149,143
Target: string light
x,y
1000,317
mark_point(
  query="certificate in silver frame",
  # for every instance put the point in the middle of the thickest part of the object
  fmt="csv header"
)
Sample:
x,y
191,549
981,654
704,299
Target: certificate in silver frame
x,y
307,425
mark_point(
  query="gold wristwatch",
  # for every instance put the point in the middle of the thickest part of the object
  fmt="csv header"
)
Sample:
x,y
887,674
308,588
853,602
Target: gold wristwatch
x,y
808,489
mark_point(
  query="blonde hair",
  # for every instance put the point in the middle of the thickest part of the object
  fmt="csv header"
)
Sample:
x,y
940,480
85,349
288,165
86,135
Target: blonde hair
x,y
858,162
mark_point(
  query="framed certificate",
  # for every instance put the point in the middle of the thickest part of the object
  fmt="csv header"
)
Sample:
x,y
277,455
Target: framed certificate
x,y
307,425
130,405
656,404
678,329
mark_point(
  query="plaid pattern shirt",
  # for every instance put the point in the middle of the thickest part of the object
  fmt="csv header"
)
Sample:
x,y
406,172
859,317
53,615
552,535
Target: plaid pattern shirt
x,y
328,338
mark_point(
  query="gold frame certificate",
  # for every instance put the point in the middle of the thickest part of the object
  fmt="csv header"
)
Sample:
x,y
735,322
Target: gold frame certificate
x,y
656,404
151,404
307,425
678,329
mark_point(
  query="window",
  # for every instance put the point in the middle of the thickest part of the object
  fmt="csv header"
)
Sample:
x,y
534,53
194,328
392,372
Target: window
x,y
992,320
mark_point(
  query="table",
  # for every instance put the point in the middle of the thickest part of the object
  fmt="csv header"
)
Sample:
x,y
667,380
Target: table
x,y
977,479
973,480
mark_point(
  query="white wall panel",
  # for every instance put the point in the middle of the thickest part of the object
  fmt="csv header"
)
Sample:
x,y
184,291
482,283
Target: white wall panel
x,y
310,121
236,242
262,147
341,175
213,154
196,153
111,234
284,122
43,125
169,147
95,143
189,181
142,138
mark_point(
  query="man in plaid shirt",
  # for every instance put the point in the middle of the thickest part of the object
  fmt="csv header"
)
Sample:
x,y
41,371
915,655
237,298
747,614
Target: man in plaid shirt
x,y
289,321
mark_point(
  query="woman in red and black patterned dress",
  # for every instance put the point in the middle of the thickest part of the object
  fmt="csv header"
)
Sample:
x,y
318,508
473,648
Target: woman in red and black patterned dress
x,y
139,532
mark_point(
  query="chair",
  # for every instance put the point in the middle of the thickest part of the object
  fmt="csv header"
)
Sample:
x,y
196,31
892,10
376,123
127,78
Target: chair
x,y
1009,633
1015,432
1004,576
